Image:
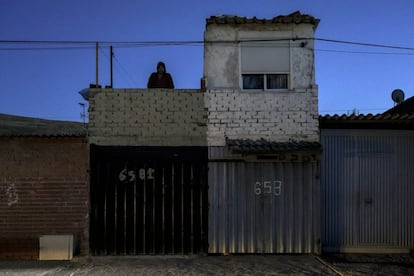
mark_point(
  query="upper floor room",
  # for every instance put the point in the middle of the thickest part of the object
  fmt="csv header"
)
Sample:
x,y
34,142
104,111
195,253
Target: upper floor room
x,y
260,54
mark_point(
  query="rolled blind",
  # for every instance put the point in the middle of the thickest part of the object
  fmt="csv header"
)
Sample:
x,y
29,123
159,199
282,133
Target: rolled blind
x,y
265,56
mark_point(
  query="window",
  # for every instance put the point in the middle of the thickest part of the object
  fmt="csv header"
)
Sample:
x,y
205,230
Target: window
x,y
253,81
265,81
265,64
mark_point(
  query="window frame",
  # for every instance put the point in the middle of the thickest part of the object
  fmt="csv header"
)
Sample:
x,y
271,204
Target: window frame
x,y
265,81
264,36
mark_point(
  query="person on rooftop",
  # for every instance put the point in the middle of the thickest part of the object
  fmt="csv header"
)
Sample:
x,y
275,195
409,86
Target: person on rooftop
x,y
160,79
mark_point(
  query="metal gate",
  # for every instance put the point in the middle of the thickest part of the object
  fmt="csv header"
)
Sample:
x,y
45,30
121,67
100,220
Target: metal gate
x,y
264,207
148,200
367,187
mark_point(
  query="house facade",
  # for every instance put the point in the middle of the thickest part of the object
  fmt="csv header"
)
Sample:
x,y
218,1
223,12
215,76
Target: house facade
x,y
44,188
148,153
235,167
262,133
230,168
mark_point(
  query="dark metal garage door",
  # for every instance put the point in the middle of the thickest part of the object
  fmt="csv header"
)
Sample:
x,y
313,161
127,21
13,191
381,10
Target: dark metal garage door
x,y
148,200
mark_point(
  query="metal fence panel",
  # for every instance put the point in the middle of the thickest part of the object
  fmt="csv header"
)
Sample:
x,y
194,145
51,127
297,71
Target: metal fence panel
x,y
264,207
148,200
367,189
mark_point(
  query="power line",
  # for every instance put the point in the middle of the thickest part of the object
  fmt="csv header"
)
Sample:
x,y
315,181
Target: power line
x,y
353,109
130,78
365,44
365,52
90,44
44,48
120,66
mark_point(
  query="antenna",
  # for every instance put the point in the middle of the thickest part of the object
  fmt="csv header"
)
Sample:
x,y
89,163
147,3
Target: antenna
x,y
112,57
83,114
353,112
97,64
397,96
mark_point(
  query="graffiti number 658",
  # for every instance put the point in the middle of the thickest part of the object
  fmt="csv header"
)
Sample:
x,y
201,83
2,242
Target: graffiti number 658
x,y
268,187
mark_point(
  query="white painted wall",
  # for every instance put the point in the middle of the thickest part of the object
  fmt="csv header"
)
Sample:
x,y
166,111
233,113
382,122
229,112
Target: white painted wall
x,y
279,116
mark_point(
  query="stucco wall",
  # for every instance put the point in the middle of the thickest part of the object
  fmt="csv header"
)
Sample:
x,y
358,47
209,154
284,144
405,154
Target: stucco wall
x,y
222,53
43,190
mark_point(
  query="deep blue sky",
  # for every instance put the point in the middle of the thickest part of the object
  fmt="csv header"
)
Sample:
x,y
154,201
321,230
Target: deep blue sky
x,y
45,83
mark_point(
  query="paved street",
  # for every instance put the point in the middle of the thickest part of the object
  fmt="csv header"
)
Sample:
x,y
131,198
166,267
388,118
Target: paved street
x,y
217,265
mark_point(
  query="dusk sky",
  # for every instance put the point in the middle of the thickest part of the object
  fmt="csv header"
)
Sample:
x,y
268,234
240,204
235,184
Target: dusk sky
x,y
43,79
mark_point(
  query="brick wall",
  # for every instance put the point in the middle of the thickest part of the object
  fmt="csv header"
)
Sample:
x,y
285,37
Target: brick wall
x,y
274,116
142,117
44,190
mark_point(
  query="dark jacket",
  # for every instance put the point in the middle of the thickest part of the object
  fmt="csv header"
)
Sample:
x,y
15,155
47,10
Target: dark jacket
x,y
160,80
165,81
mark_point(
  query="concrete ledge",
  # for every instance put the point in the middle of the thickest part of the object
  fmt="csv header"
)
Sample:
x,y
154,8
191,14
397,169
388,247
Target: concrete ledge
x,y
151,141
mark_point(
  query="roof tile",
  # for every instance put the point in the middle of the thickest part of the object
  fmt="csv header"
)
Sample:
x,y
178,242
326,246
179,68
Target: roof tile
x,y
262,145
389,120
295,18
18,126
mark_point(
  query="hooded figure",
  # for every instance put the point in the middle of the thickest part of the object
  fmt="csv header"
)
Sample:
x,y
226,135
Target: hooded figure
x,y
160,79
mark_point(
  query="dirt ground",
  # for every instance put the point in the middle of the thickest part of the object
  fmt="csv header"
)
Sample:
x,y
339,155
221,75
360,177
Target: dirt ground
x,y
338,264
370,264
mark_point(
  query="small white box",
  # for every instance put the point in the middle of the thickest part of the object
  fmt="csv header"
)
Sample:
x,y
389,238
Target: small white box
x,y
56,247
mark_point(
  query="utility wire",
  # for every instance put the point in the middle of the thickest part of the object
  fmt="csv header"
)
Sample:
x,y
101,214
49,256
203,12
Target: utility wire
x,y
130,79
365,44
40,45
44,48
365,52
186,43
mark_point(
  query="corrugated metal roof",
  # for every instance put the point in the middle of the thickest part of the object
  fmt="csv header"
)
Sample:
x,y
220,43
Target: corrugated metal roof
x,y
293,18
262,145
16,126
384,120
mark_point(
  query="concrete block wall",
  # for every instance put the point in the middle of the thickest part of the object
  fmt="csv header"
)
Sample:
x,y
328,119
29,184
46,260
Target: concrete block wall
x,y
190,118
44,190
147,117
274,116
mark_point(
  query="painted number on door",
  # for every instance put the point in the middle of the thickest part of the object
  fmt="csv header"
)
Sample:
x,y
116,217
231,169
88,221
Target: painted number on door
x,y
268,187
131,175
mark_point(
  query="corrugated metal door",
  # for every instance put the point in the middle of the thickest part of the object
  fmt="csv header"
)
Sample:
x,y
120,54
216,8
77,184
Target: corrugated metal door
x,y
148,200
264,207
375,200
367,190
